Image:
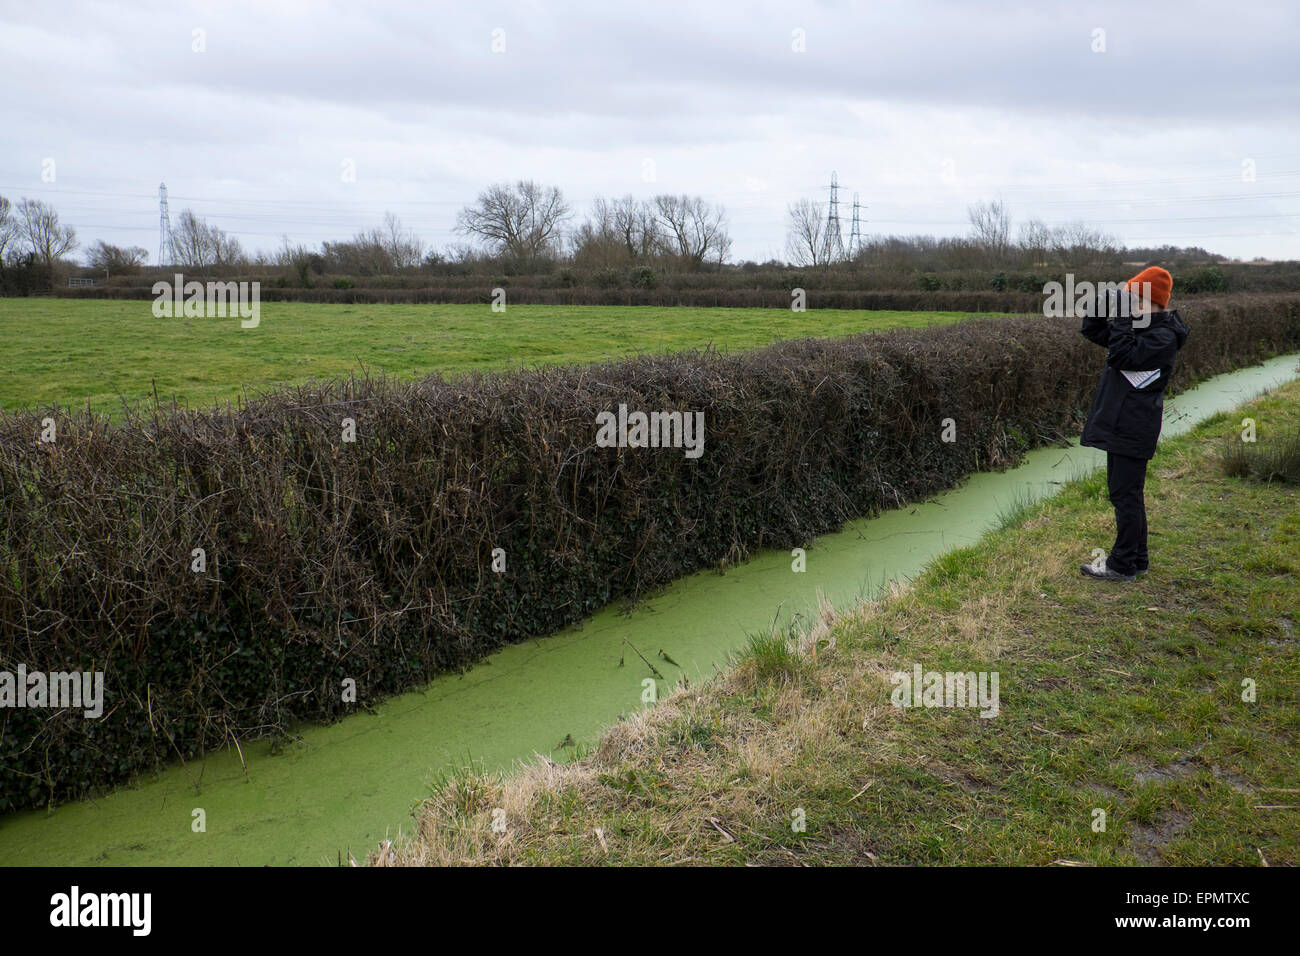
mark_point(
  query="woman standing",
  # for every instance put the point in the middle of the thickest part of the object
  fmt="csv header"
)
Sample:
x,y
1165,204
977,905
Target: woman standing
x,y
1127,411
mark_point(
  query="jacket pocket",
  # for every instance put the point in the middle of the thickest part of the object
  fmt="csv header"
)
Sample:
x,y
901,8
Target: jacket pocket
x,y
1115,392
1138,418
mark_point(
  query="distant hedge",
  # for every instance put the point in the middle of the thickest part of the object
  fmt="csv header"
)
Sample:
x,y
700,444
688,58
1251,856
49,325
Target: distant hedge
x,y
372,560
461,282
523,294
922,297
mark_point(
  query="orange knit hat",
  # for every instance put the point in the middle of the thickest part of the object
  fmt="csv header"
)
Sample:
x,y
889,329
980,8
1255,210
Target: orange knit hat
x,y
1162,284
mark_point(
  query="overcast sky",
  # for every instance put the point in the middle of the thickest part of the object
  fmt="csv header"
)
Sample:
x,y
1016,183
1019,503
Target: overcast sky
x,y
919,107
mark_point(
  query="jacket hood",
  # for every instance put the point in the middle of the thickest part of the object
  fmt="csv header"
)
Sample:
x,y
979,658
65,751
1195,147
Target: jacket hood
x,y
1175,322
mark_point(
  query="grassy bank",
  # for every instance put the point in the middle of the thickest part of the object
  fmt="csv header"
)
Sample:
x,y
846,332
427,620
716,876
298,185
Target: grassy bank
x,y
71,352
1123,699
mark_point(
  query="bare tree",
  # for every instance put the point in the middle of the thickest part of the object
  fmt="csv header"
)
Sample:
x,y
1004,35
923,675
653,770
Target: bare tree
x,y
1035,241
289,254
404,248
805,235
114,260
992,224
196,245
381,251
695,230
39,228
637,227
523,221
618,232
595,244
9,231
364,255
1077,243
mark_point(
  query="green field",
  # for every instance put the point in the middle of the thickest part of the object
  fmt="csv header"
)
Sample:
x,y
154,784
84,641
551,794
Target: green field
x,y
71,352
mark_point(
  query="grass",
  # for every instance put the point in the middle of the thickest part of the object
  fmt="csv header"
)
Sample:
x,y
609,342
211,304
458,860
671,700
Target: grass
x,y
1127,704
1275,459
71,352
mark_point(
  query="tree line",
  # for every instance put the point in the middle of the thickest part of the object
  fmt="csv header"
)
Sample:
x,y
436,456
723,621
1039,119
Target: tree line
x,y
812,242
529,227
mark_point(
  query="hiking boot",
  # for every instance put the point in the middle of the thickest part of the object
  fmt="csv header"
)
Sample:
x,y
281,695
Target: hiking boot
x,y
1141,571
1105,574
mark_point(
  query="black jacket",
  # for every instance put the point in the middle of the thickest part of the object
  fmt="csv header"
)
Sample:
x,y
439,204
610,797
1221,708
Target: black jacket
x,y
1126,420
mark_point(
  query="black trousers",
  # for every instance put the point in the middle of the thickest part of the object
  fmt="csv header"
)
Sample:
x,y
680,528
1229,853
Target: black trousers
x,y
1126,480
